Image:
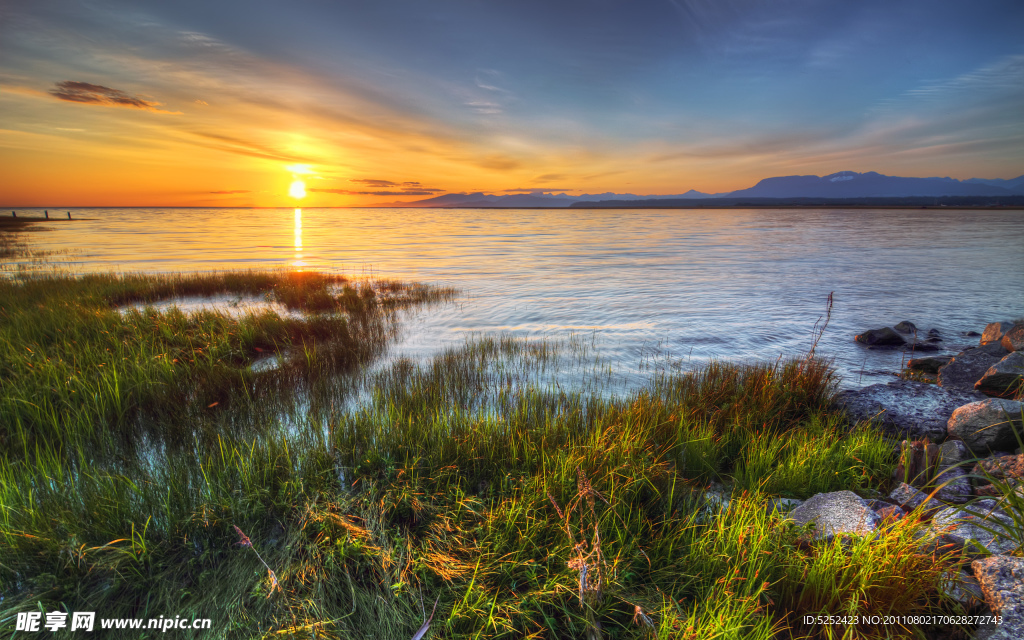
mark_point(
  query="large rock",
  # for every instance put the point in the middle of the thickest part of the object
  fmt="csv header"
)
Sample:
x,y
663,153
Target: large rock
x,y
976,527
906,408
1013,340
910,498
968,366
1005,378
953,452
835,514
988,425
1001,467
906,327
884,337
930,364
1002,583
953,485
994,331
964,588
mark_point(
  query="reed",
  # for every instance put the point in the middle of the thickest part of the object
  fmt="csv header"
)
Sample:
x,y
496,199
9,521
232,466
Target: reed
x,y
139,445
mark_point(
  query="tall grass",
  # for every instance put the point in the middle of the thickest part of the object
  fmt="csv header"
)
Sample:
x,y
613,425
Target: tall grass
x,y
523,509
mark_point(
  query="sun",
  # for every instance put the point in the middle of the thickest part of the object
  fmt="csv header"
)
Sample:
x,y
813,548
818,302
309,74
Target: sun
x,y
298,189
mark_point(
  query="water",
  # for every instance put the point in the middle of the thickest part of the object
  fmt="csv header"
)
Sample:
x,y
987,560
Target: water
x,y
645,285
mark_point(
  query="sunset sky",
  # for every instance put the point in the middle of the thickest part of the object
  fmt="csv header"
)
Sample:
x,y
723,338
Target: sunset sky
x,y
200,103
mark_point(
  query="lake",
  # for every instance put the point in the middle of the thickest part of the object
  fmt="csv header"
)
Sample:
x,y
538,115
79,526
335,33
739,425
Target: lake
x,y
650,287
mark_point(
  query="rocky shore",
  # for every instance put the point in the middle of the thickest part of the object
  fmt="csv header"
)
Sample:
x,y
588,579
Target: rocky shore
x,y
957,423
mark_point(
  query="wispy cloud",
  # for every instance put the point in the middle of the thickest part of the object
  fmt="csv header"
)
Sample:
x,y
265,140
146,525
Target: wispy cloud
x,y
232,191
88,93
243,147
347,192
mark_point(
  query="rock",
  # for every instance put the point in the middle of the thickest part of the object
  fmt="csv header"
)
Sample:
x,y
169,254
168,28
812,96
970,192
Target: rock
x,y
953,485
1001,467
930,364
1001,579
906,327
964,588
910,498
836,513
889,513
977,525
918,345
784,505
906,408
952,452
987,425
1005,378
971,334
994,332
934,333
1013,340
880,337
968,366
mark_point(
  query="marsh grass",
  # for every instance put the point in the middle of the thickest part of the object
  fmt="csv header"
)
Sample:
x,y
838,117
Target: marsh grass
x,y
138,445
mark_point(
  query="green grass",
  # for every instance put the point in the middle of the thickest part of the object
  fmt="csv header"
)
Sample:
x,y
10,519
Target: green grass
x,y
135,443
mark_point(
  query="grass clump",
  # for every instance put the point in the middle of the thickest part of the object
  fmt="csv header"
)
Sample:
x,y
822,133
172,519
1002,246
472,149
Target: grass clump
x,y
522,509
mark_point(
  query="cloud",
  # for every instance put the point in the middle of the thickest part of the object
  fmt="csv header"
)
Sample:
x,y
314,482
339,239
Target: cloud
x,y
485,107
231,144
346,192
408,188
87,93
232,191
375,183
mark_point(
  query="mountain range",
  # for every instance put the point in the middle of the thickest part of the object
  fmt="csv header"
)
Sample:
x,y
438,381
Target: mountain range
x,y
844,184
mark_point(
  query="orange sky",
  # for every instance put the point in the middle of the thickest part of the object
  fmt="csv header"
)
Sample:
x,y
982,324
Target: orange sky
x,y
155,104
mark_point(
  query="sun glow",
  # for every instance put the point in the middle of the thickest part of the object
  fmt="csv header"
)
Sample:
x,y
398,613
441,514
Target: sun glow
x,y
298,189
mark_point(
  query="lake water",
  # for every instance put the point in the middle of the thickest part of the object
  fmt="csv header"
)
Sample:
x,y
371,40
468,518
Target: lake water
x,y
645,285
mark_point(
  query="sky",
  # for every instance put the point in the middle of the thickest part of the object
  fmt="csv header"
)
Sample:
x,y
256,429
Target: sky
x,y
229,103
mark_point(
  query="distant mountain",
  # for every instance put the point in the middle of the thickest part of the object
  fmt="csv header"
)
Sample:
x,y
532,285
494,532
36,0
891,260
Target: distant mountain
x,y
482,200
1015,185
850,184
842,185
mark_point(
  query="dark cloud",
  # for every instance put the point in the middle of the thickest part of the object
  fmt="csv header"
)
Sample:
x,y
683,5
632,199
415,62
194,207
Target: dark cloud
x,y
233,191
87,93
408,188
375,183
346,192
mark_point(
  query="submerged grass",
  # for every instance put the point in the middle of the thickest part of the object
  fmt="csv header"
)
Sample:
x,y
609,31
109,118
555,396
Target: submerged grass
x,y
139,446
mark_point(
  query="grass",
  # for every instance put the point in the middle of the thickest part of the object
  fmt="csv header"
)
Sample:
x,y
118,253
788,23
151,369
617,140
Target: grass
x,y
142,455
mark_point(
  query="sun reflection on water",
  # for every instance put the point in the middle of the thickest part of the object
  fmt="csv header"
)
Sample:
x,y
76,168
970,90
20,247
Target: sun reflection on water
x,y
298,263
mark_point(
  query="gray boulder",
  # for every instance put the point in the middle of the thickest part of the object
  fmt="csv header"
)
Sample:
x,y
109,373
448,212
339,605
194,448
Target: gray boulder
x,y
964,588
884,337
953,452
987,425
906,327
835,514
994,331
1005,378
910,498
953,485
976,527
930,364
906,408
1013,340
1001,579
968,366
